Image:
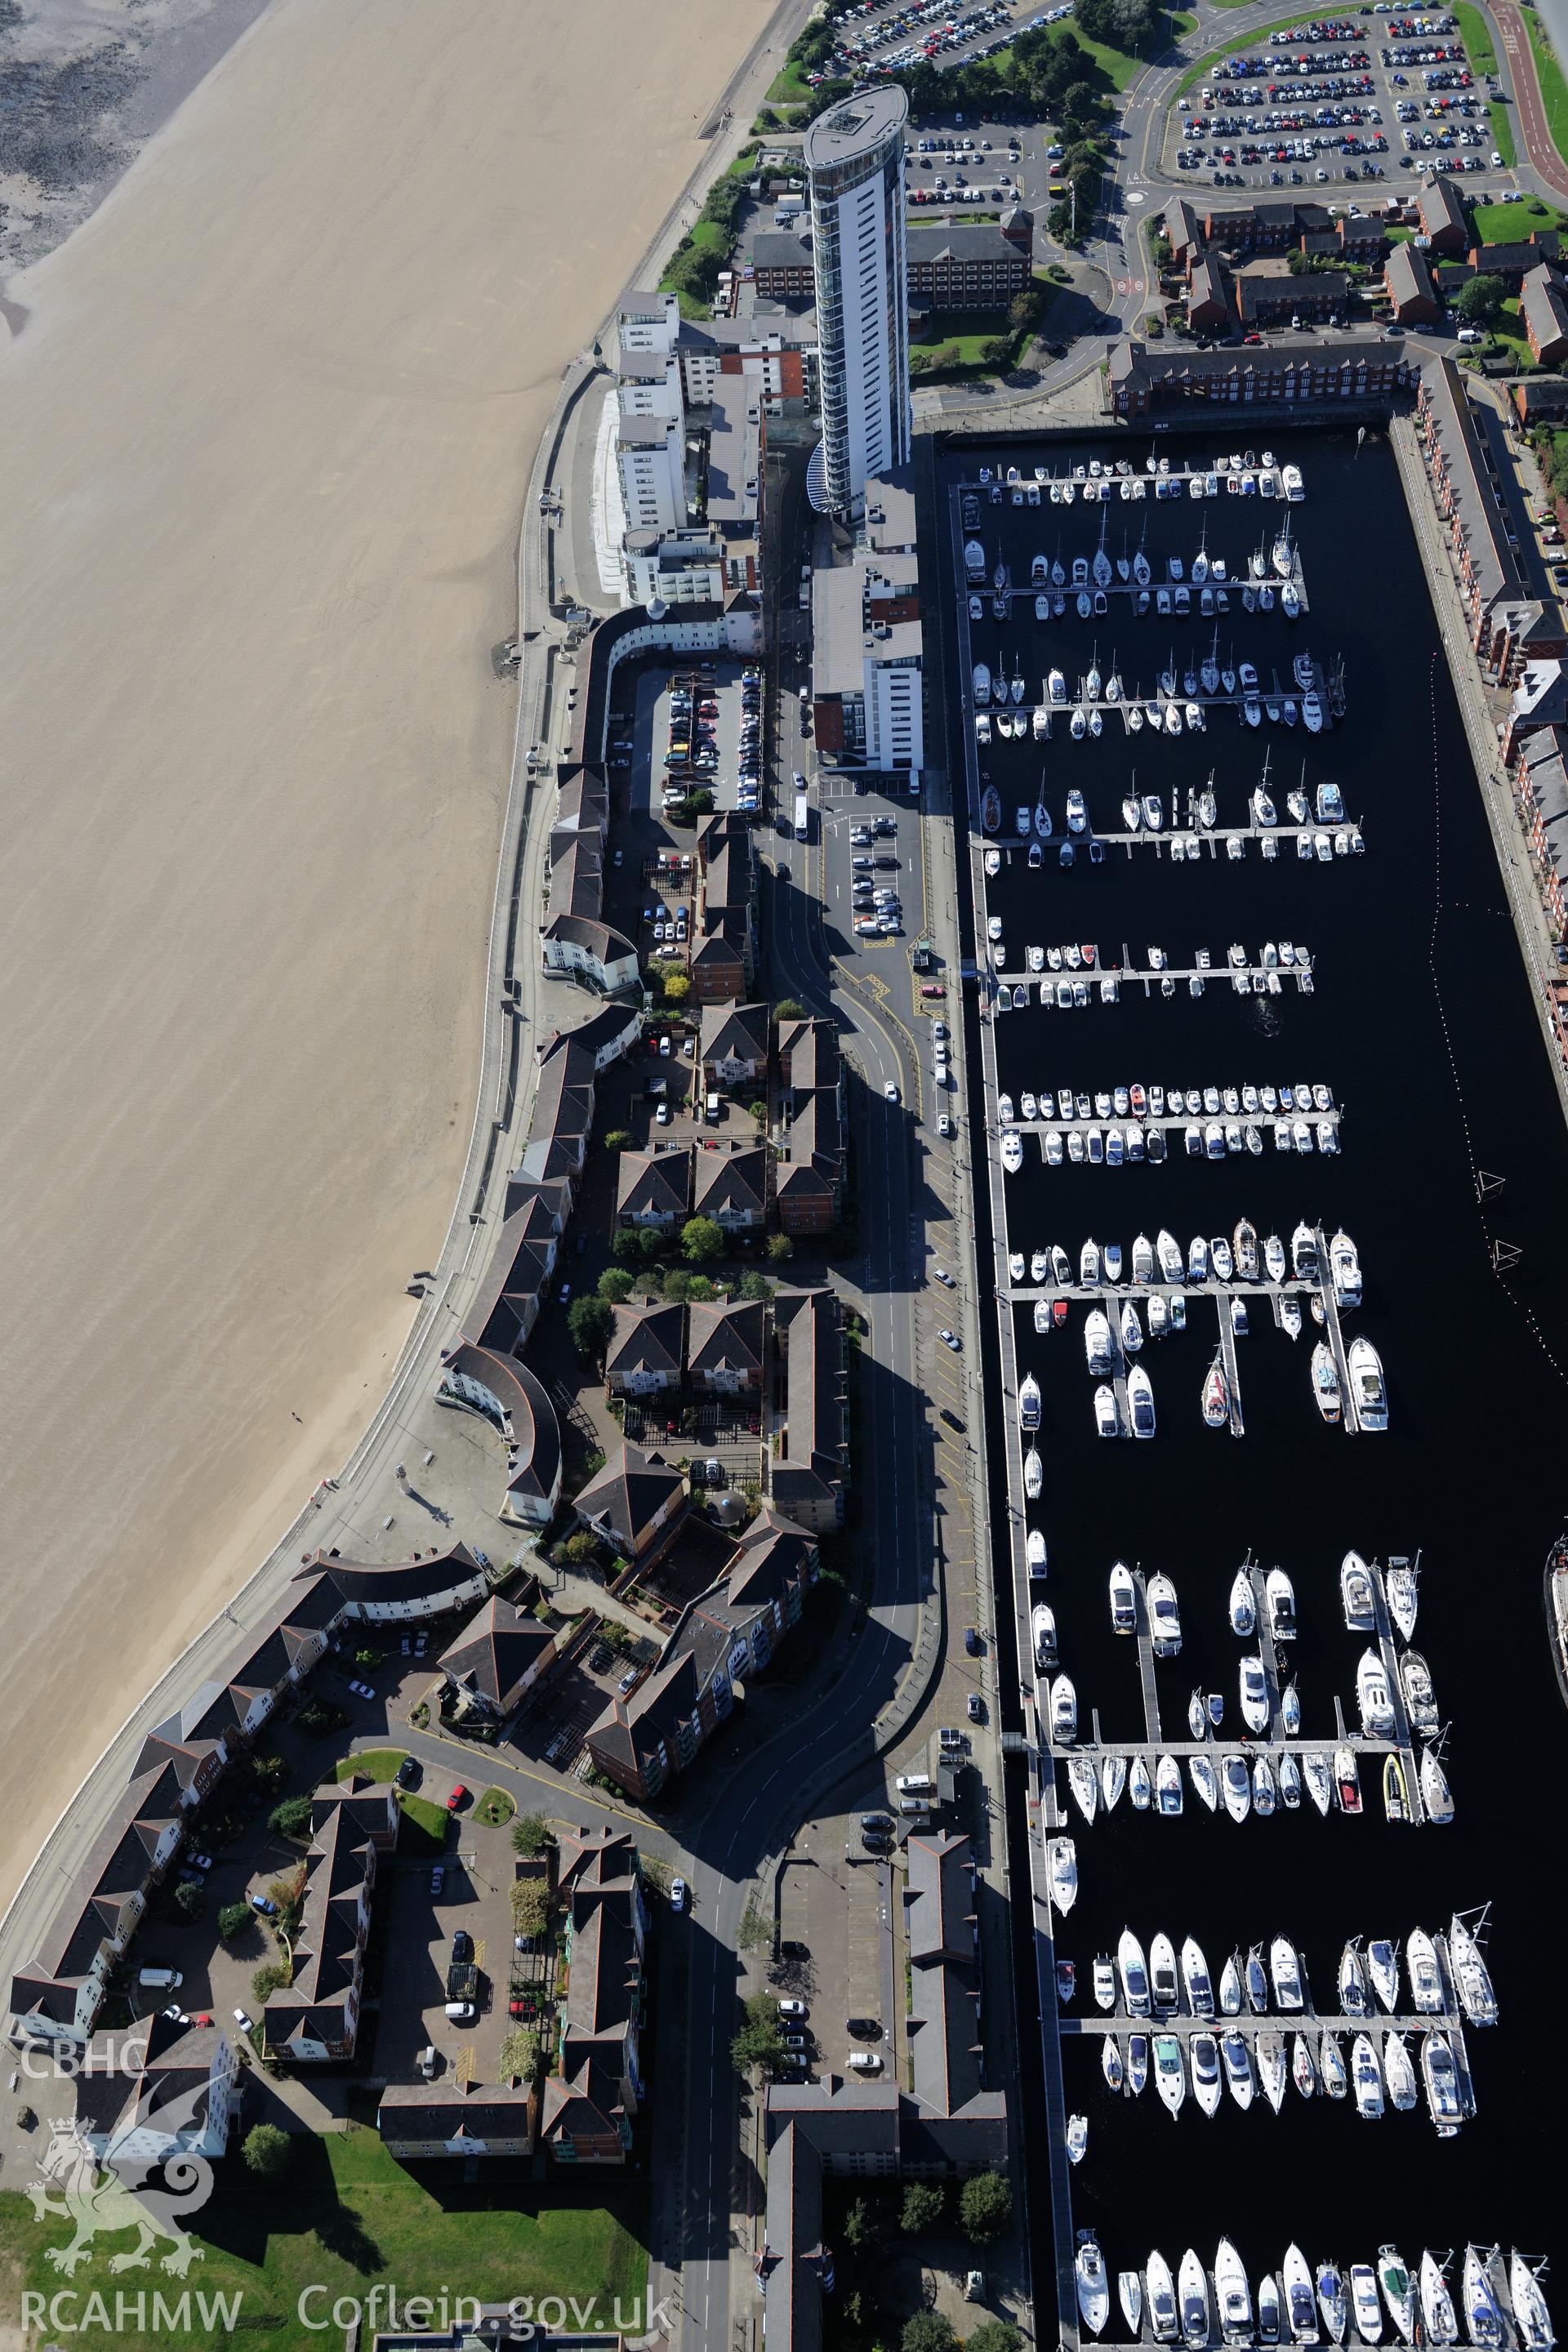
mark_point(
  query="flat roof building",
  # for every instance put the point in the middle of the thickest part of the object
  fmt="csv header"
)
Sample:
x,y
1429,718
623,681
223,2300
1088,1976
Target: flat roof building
x,y
853,157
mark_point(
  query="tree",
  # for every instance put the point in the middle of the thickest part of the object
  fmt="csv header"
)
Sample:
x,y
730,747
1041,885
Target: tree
x,y
233,1920
760,2042
1478,302
530,1907
1080,111
924,2203
928,2331
862,2231
619,1139
270,1977
529,1833
267,2151
520,2053
780,1247
760,1113
677,987
994,2335
582,1550
788,1009
590,1322
702,1240
626,1248
615,1285
291,1819
271,1770
755,1286
985,2208
996,352
1298,263
190,1899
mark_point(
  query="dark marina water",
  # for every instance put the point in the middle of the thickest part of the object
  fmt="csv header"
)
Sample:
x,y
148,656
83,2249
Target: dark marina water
x,y
1422,1025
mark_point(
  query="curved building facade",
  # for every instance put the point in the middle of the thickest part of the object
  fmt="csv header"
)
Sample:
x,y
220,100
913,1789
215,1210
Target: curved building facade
x,y
855,170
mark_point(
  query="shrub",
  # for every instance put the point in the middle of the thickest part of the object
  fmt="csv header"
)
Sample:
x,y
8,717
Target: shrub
x,y
270,1977
789,1009
928,2331
618,1140
780,1247
530,1907
582,1550
590,1321
233,1920
994,2335
520,2053
267,2151
529,1833
190,1899
291,1819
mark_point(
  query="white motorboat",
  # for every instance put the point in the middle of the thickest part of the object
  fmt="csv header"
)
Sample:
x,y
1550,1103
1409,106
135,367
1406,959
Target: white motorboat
x,y
1077,2138
1164,1617
1193,2292
1366,2078
1237,2059
1088,1258
1137,2063
1284,1973
1084,1782
1382,1971
1365,2309
1165,2320
1243,1608
1271,2066
1373,1696
1130,2295
1356,1596
1170,2073
1012,1151
1131,1330
1029,1387
1139,1393
1093,2291
1162,1973
1113,1780
1123,1599
1106,1420
1331,2066
1134,1974
1398,2071
1173,1265
1367,1391
1420,1700
1236,1787
1064,1710
1436,1794
1168,1785
1397,2293
1201,1772
1142,1259
1438,2315
1253,1694
1274,1258
1034,1474
1300,2303
1195,1980
1062,1859
1471,1976
1280,1597
1315,1772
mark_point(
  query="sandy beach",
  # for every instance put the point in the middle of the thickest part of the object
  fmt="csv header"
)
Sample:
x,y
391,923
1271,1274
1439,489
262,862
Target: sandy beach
x,y
267,423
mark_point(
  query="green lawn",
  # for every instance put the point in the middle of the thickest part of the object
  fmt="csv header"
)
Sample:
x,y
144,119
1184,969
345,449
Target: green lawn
x,y
1116,65
1509,335
1553,88
1205,66
1477,38
495,1807
1502,132
372,1764
1510,224
791,88
346,2218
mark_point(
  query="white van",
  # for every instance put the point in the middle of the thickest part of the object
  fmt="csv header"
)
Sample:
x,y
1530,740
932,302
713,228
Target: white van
x,y
461,2012
864,2062
916,1784
160,1980
1470,334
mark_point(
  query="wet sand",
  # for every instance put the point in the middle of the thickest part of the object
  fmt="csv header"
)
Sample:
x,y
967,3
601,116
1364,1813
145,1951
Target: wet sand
x,y
268,426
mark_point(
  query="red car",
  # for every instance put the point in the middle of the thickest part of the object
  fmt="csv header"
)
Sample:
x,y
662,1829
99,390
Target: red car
x,y
932,987
459,1796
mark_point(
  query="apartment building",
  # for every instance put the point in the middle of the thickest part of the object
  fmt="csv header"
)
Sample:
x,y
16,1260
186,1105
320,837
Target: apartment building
x,y
854,160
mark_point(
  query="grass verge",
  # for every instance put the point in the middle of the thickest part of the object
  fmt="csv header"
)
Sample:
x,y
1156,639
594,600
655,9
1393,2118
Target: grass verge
x,y
1511,223
791,88
495,1807
425,1815
370,1764
1502,132
345,2218
1205,66
1476,36
1553,88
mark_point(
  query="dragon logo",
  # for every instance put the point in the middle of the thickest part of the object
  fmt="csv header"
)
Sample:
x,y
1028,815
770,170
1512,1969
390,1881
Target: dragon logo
x,y
146,2181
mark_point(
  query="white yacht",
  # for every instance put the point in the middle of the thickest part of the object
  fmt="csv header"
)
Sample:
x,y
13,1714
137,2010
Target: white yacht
x,y
1471,1976
1123,1599
1140,1391
1354,1999
1303,2074
1029,1388
1088,1263
1397,2292
1300,2303
1331,2066
1077,2138
1012,1151
1164,1618
1274,1259
1168,1785
1398,2071
1130,2295
1113,1780
1437,2313
1373,1696
1062,1858
1084,1784
1237,2062
1173,1265
1131,1330
1532,2320
1201,1772
1140,1785
1290,1781
1436,1793
1064,1711
1192,2291
1236,1787
1382,1971
1034,1474
1426,1978
1399,1584
1243,1606
1315,1772
1263,1791
1271,2066
1253,1694
1196,1980
1483,2320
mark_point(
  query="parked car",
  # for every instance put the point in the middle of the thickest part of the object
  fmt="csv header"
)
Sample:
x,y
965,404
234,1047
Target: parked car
x,y
678,1893
245,2024
361,1690
459,1796
972,1703
793,2009
462,1944
437,1880
265,1905
409,1773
